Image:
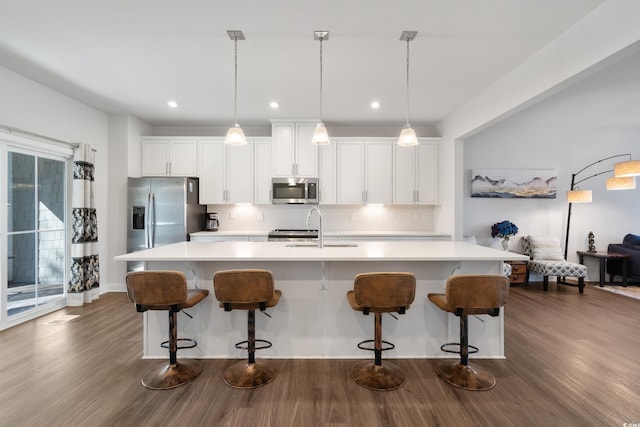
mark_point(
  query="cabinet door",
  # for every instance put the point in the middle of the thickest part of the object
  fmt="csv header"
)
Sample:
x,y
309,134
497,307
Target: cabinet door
x,y
428,173
240,173
212,167
404,175
262,160
283,150
350,172
378,163
306,153
183,158
155,158
327,175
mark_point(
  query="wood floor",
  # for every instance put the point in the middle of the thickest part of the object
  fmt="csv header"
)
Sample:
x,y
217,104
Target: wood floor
x,y
572,360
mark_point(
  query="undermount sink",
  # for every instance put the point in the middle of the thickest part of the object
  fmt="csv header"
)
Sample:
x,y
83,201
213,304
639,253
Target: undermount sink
x,y
326,245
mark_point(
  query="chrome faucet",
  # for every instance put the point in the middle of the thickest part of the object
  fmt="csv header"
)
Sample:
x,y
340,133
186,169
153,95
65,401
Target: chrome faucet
x,y
315,208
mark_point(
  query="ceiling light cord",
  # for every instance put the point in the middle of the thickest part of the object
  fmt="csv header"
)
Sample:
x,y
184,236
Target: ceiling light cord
x,y
407,124
235,79
321,79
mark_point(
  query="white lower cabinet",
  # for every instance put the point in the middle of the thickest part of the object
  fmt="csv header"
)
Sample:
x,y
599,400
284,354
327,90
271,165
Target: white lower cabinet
x,y
226,172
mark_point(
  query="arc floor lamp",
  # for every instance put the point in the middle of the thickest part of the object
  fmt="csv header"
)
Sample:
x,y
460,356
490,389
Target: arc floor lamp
x,y
623,179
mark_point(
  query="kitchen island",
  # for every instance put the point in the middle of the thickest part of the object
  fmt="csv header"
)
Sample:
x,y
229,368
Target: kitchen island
x,y
314,319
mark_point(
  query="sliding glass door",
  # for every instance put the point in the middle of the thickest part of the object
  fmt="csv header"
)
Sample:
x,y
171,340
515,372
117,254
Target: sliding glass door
x,y
34,270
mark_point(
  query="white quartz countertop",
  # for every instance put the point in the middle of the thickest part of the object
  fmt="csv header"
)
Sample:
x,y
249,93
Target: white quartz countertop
x,y
344,233
283,251
260,233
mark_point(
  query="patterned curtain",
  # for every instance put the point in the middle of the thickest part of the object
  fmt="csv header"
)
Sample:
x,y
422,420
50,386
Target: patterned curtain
x,y
84,279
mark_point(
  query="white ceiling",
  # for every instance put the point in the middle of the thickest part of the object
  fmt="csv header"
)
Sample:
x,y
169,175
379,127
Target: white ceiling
x,y
131,56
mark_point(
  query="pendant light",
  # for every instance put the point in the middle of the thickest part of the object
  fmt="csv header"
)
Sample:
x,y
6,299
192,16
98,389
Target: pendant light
x,y
320,135
235,135
408,135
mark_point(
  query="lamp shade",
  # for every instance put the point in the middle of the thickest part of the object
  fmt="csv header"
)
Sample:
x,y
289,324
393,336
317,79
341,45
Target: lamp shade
x,y
625,169
235,136
579,196
623,183
320,135
407,137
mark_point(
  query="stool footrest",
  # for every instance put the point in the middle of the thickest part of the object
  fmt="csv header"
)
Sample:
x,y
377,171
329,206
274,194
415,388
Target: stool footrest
x,y
244,345
191,343
361,345
445,348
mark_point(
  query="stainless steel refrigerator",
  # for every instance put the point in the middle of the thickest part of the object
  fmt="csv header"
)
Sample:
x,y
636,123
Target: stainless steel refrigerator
x,y
161,211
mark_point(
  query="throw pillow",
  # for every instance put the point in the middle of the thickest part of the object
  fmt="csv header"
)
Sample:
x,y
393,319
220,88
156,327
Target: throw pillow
x,y
544,247
526,246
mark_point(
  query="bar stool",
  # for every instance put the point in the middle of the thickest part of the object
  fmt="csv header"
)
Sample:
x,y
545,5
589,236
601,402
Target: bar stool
x,y
166,290
249,290
470,295
380,293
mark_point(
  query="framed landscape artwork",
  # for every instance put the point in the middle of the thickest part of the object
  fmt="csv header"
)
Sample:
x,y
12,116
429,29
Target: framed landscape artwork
x,y
514,183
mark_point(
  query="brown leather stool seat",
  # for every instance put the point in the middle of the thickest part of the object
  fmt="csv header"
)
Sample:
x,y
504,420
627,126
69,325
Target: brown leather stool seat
x,y
166,290
380,293
249,290
466,295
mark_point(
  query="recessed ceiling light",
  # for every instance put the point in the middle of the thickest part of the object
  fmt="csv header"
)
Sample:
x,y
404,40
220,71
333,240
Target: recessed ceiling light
x,y
274,105
173,104
375,105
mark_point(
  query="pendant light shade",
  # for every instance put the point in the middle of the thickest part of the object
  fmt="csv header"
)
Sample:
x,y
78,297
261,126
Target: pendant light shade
x,y
624,183
235,135
408,135
626,169
320,135
579,196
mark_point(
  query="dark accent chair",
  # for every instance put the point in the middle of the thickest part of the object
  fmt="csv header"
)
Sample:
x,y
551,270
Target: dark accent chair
x,y
630,246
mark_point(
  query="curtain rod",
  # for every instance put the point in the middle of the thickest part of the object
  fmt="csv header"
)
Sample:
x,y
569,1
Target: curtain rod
x,y
13,130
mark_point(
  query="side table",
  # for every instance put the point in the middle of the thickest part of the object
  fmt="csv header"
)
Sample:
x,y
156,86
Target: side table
x,y
603,257
518,272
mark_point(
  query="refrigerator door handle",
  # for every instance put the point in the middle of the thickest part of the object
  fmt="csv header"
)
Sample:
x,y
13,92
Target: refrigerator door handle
x,y
152,219
147,226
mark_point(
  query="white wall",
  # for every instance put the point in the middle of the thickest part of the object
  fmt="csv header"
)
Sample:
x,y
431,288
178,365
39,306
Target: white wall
x,y
30,106
610,216
124,137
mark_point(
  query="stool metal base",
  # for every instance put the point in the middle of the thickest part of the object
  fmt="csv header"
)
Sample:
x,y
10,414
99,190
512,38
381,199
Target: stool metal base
x,y
465,376
386,376
170,375
250,375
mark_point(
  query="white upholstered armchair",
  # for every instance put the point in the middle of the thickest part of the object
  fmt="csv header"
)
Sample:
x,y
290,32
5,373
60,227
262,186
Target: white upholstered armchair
x,y
547,260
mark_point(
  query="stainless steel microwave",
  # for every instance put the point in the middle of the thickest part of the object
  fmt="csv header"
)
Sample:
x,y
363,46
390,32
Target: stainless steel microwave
x,y
294,191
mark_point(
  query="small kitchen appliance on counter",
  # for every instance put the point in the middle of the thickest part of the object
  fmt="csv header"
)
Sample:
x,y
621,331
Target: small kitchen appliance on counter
x,y
211,222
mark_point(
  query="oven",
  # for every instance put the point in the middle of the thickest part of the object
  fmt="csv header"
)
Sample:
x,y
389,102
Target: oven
x,y
289,235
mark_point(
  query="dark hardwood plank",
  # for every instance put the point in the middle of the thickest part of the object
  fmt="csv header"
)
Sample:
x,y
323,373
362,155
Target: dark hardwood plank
x,y
572,360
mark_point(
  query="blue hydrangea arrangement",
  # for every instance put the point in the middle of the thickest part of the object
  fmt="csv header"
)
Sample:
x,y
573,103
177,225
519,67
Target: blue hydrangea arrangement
x,y
504,229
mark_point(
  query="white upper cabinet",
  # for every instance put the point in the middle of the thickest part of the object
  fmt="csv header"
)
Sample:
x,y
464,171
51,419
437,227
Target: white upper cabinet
x,y
169,157
262,161
364,171
226,172
327,173
416,173
293,153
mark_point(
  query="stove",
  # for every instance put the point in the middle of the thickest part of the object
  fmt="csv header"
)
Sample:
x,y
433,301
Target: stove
x,y
284,235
